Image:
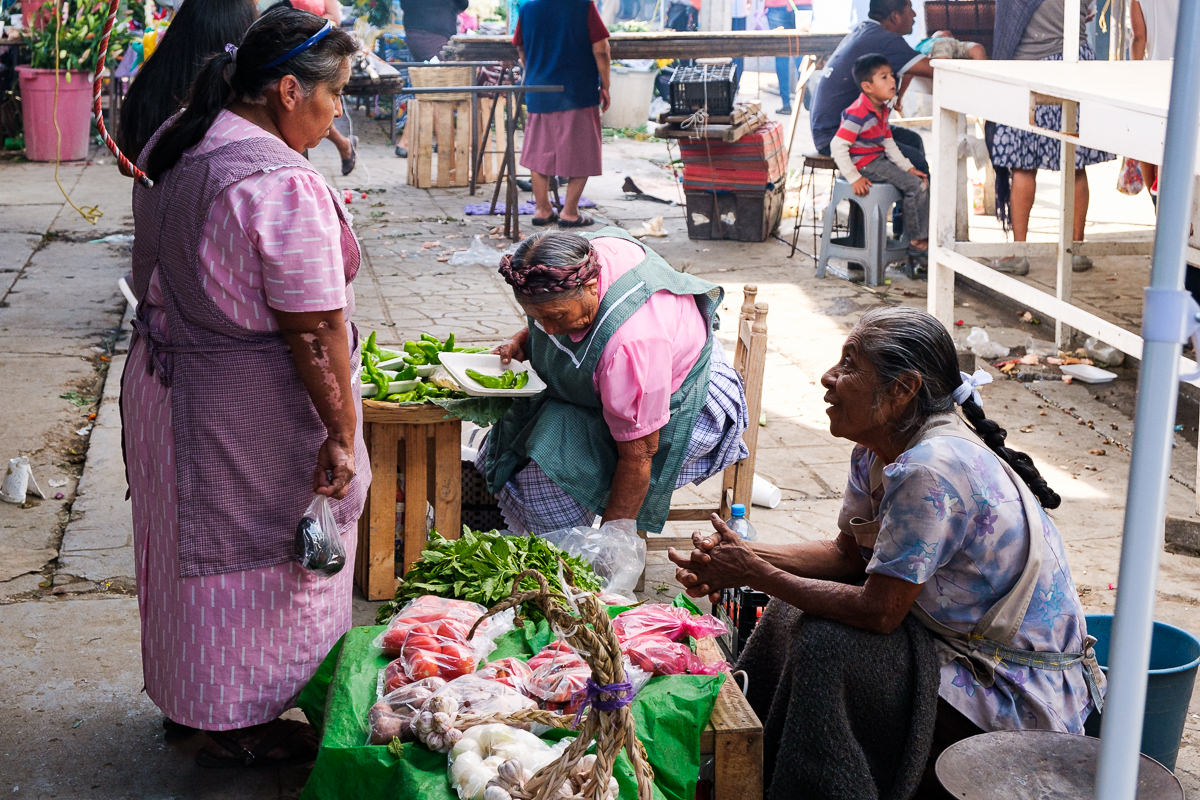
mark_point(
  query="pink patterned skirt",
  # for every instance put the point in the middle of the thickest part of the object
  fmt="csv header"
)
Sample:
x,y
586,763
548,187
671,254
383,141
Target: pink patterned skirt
x,y
563,143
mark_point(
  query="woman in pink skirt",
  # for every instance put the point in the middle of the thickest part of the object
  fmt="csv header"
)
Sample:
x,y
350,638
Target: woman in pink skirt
x,y
563,42
238,401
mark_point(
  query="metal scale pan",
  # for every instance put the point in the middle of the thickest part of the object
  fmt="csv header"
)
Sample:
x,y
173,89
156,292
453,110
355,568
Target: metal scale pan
x,y
1038,765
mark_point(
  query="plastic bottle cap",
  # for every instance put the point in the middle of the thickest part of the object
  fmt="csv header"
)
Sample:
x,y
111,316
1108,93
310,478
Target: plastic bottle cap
x,y
738,509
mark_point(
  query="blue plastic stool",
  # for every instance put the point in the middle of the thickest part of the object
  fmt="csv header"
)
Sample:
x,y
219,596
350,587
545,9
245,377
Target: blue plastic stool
x,y
1174,659
877,249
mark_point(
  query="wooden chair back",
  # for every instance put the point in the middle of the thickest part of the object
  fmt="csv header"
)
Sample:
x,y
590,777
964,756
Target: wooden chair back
x,y
749,359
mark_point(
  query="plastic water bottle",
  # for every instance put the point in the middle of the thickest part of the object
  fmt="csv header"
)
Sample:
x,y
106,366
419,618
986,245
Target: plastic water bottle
x,y
740,525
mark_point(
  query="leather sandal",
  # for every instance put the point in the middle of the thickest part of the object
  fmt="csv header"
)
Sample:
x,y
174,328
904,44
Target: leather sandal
x,y
583,221
550,220
349,161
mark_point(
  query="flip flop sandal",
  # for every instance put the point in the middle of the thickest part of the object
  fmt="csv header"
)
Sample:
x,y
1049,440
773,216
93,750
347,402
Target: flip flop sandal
x,y
295,739
349,162
550,220
174,731
582,222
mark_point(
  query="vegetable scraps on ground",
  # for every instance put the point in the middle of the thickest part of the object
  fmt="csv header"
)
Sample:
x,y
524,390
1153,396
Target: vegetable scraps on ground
x,y
480,567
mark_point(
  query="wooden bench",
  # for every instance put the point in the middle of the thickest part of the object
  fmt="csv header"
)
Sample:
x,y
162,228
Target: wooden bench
x,y
427,444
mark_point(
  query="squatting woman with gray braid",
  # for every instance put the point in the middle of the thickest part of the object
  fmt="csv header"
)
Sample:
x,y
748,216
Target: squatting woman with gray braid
x,y
942,533
640,399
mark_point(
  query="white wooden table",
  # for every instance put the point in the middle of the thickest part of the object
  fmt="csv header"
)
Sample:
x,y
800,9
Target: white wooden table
x,y
1116,106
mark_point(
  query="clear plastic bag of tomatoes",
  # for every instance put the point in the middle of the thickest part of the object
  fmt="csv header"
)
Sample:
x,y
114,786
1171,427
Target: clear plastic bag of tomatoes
x,y
660,619
512,672
428,638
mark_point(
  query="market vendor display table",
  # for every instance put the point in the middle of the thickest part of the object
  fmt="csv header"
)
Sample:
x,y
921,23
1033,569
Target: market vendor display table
x,y
670,713
428,440
1116,106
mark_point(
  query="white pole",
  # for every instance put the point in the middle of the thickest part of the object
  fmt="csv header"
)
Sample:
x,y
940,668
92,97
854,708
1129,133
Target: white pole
x,y
1158,390
1070,34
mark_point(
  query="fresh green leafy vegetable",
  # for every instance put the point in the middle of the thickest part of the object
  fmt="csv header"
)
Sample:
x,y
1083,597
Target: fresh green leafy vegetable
x,y
480,567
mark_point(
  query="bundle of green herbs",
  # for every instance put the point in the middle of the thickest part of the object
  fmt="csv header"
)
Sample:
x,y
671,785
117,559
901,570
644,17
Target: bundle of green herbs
x,y
480,567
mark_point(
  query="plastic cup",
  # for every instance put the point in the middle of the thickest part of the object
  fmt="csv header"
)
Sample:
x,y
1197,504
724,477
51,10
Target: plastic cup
x,y
764,493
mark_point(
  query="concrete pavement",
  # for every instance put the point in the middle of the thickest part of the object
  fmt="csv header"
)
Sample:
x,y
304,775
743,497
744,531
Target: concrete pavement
x,y
78,725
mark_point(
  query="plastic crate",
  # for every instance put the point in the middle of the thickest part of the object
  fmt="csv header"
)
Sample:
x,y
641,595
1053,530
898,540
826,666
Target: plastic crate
x,y
741,216
741,608
708,86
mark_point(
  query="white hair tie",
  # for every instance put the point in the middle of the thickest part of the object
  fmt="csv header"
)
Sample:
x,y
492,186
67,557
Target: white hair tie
x,y
970,387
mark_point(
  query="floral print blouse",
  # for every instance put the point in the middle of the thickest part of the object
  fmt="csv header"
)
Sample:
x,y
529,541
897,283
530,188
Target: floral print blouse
x,y
952,521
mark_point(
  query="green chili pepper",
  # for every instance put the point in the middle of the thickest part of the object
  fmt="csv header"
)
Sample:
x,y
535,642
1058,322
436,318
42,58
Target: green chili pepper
x,y
415,354
425,337
407,374
505,380
381,384
431,352
448,345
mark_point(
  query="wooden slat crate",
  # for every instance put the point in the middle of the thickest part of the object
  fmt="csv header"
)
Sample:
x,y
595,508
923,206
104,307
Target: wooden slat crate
x,y
420,443
448,124
733,737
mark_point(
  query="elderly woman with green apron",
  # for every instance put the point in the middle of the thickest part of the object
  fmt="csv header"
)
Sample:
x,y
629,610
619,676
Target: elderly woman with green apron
x,y
943,608
640,399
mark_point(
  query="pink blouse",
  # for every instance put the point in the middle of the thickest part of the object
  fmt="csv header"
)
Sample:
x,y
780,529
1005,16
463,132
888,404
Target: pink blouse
x,y
284,220
635,390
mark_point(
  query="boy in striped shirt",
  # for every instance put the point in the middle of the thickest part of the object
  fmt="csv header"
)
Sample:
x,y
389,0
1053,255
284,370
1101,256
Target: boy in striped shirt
x,y
864,150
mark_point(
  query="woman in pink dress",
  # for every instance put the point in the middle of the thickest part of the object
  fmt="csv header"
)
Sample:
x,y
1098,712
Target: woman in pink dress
x,y
238,401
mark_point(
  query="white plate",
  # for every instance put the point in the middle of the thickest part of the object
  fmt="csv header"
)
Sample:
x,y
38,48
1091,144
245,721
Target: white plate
x,y
1087,373
423,370
394,387
457,365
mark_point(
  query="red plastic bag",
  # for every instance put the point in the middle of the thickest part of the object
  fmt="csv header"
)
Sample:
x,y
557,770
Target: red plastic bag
x,y
659,655
660,619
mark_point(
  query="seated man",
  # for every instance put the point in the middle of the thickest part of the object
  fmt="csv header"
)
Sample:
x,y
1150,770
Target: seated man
x,y
890,21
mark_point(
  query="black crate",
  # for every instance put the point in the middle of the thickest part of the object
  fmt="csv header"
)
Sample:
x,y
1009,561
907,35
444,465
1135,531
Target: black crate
x,y
741,609
708,86
742,216
479,509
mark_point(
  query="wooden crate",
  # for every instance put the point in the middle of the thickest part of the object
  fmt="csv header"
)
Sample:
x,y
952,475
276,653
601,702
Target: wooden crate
x,y
486,137
419,442
733,737
448,124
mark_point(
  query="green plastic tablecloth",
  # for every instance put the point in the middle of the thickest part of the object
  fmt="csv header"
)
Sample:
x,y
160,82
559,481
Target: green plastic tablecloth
x,y
670,712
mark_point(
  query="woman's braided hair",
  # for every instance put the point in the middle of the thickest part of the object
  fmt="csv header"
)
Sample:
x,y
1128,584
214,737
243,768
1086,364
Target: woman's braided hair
x,y
901,340
551,265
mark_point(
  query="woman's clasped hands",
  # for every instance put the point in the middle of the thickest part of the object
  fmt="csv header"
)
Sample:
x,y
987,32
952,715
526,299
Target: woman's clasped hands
x,y
717,561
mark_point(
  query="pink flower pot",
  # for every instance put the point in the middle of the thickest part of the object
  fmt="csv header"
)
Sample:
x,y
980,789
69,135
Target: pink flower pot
x,y
74,113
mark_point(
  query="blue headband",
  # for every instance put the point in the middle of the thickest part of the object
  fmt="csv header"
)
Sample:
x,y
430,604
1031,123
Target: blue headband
x,y
300,48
